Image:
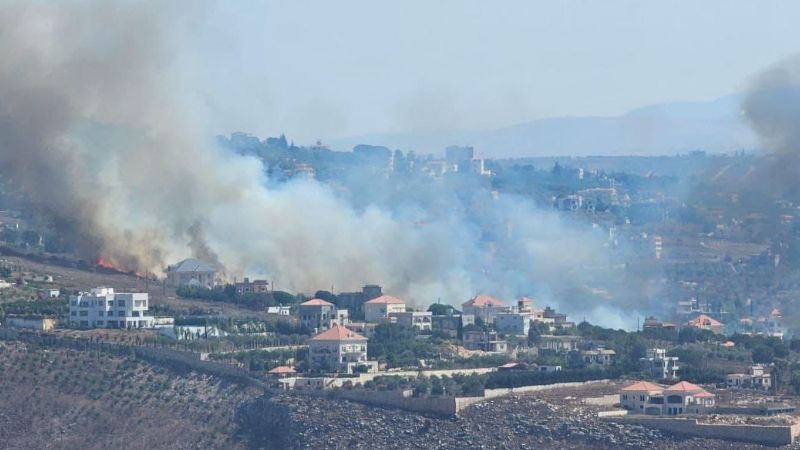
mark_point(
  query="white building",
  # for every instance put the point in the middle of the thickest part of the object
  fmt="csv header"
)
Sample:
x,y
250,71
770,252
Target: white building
x,y
660,365
191,272
379,308
104,308
757,377
338,350
681,398
420,320
517,324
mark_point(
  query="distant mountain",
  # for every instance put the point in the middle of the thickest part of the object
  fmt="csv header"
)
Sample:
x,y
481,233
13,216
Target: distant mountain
x,y
659,129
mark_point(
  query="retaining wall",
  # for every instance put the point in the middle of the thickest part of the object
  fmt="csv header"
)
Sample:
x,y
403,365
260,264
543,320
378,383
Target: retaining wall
x,y
760,434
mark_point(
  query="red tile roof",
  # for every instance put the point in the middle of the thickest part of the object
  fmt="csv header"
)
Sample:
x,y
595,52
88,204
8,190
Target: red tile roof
x,y
338,333
685,387
281,370
316,302
386,299
483,301
704,394
643,386
704,320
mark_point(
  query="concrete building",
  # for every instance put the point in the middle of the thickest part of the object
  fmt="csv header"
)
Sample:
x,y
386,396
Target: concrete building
x,y
598,357
517,324
104,308
450,325
659,365
485,307
681,398
338,350
757,378
559,344
381,307
191,272
419,320
40,324
486,341
354,301
316,314
252,287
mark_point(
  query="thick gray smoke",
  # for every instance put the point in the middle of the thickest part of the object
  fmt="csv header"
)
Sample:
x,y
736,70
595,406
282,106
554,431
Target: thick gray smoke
x,y
95,126
772,106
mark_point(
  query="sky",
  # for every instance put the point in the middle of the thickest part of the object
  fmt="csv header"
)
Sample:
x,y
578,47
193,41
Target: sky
x,y
325,70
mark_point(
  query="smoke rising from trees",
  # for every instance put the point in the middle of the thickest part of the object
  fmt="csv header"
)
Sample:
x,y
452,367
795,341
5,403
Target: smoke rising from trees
x,y
97,126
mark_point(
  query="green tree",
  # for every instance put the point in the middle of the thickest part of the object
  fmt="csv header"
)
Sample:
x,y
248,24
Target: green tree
x,y
763,355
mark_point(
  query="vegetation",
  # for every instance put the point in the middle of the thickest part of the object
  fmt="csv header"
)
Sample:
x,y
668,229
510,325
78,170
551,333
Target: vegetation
x,y
227,294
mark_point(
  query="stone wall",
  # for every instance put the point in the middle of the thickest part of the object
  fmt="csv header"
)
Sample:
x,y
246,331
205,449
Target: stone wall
x,y
760,434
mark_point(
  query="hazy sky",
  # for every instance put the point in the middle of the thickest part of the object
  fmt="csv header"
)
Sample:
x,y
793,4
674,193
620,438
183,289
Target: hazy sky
x,y
325,69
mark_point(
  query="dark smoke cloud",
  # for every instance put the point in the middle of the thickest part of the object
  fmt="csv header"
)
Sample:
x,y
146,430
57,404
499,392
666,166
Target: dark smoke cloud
x,y
98,127
772,106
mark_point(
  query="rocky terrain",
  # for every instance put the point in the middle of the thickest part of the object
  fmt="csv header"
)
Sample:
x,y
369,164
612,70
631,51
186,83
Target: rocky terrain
x,y
556,420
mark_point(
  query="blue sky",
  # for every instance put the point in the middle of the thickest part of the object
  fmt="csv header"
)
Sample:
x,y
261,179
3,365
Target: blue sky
x,y
327,69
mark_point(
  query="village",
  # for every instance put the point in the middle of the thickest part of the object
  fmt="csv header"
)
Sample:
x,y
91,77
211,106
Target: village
x,y
376,349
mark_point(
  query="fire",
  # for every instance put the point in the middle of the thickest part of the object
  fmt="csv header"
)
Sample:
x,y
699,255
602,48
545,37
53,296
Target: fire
x,y
109,264
106,264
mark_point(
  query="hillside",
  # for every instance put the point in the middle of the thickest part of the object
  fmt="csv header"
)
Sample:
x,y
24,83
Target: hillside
x,y
65,399
659,129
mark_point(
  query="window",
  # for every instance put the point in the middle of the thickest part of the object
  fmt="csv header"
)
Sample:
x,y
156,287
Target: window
x,y
99,323
100,313
120,302
121,313
84,313
73,313
136,314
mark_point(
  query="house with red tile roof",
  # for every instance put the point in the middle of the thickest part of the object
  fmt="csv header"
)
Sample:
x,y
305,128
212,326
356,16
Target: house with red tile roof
x,y
680,398
338,349
485,307
380,308
704,322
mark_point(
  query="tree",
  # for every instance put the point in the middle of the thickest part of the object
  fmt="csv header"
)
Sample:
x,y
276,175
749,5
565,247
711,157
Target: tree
x,y
327,296
393,343
438,309
763,355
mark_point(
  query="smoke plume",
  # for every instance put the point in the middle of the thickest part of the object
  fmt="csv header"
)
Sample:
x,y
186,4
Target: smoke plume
x,y
98,128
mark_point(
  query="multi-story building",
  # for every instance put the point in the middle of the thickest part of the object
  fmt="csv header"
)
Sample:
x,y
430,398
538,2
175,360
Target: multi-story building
x,y
517,324
316,314
338,350
487,341
191,272
354,301
598,357
558,344
757,377
252,287
450,325
659,365
485,307
104,308
380,308
419,320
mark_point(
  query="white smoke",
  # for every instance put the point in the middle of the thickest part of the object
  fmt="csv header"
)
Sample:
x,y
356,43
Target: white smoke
x,y
96,125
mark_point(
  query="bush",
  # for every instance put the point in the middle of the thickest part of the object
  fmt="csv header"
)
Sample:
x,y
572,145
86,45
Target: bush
x,y
511,379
